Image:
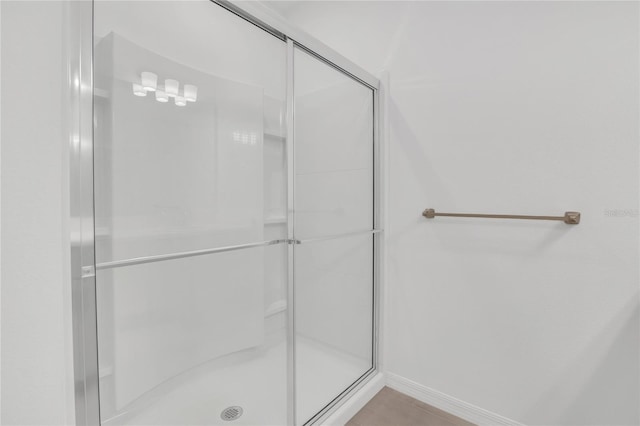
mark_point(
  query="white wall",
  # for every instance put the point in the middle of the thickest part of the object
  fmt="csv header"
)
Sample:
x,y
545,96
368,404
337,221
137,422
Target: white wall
x,y
37,385
508,107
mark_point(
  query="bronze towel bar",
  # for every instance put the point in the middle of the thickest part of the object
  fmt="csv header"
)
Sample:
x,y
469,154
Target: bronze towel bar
x,y
570,218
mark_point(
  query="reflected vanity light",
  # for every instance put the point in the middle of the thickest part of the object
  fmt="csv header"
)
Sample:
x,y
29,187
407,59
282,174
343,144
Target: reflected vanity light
x,y
161,96
245,138
190,92
149,81
138,90
171,87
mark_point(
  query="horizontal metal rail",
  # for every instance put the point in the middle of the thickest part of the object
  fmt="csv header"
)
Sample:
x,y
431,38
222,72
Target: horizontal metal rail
x,y
181,255
570,218
192,253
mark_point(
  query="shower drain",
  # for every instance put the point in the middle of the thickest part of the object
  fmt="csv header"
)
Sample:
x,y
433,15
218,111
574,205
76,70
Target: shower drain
x,y
231,413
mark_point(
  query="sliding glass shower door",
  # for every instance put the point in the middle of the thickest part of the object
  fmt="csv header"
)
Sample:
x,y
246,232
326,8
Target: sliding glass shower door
x,y
334,222
234,250
190,197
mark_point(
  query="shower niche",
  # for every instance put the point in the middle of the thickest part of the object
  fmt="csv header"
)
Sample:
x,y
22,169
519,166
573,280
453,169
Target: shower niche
x,y
235,251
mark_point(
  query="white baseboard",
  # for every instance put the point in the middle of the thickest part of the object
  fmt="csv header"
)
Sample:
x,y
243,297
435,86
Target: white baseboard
x,y
447,403
349,409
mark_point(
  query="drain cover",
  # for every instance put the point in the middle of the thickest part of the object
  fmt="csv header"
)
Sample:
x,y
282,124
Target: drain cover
x,y
231,413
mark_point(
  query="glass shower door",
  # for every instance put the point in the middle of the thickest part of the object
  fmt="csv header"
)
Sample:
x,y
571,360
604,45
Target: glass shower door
x,y
195,243
190,214
334,220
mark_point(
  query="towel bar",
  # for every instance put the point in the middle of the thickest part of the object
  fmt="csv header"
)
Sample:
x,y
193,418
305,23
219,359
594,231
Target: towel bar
x,y
570,218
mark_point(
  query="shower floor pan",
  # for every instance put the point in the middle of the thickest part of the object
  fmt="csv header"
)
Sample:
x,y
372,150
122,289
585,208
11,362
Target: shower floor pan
x,y
254,380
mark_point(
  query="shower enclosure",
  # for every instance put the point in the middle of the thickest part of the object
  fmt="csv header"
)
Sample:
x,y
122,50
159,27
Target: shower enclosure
x,y
225,217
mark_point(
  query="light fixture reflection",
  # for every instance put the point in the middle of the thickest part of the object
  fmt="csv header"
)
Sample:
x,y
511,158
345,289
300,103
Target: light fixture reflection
x,y
138,90
149,81
171,87
245,138
161,96
190,92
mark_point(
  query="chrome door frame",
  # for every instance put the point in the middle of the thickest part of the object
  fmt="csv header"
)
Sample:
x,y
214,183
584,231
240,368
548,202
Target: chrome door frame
x,y
78,20
79,39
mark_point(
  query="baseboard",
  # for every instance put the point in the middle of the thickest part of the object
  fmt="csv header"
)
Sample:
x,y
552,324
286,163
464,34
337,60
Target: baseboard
x,y
447,403
355,403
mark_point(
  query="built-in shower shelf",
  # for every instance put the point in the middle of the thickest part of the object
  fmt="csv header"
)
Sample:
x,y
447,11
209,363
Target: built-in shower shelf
x,y
275,220
274,137
100,93
102,232
275,308
106,371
